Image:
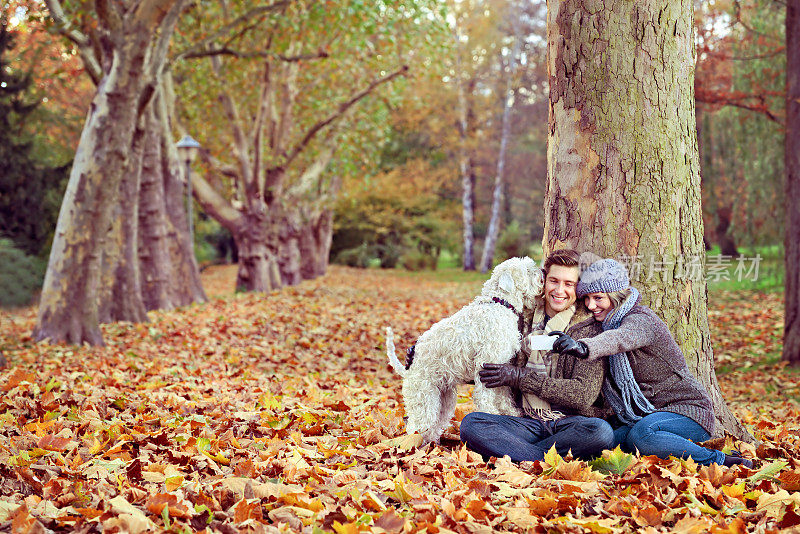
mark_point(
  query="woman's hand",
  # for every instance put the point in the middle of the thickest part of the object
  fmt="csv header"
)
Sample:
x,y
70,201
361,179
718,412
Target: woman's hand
x,y
494,375
566,345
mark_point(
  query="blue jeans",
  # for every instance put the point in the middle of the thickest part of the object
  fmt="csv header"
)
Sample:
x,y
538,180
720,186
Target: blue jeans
x,y
665,434
524,438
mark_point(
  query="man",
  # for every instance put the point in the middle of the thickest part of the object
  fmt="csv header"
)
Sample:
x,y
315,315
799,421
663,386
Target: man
x,y
556,392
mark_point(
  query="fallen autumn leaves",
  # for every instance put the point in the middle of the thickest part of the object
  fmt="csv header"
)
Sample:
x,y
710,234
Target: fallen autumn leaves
x,y
279,413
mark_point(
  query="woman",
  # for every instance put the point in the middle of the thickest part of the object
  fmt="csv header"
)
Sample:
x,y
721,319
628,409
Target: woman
x,y
659,407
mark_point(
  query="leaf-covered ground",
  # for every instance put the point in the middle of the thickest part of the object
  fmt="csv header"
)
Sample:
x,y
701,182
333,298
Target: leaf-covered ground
x,y
279,413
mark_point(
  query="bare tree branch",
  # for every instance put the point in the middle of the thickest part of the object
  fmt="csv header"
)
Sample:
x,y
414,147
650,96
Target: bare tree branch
x,y
108,15
721,55
222,31
739,20
224,51
90,60
755,103
343,107
165,36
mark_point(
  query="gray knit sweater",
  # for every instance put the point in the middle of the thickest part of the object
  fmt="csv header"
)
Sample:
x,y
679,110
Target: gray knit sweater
x,y
657,362
575,385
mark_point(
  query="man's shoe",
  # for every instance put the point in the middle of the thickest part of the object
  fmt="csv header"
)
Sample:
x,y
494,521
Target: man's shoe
x,y
735,458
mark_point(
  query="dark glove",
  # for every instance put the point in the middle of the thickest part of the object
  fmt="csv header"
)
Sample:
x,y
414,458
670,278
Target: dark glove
x,y
566,345
494,375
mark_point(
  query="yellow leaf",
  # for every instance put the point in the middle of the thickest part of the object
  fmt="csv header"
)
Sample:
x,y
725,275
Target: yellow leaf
x,y
173,483
347,528
774,504
735,491
552,458
405,442
522,517
405,490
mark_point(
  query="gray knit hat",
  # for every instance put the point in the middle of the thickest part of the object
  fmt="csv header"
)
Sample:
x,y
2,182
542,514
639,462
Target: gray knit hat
x,y
603,276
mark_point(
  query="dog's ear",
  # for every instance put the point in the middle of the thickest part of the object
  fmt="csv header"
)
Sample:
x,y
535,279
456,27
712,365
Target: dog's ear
x,y
506,283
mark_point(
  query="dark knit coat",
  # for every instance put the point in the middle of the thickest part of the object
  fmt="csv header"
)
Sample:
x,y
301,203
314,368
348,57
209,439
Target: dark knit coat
x,y
575,387
657,362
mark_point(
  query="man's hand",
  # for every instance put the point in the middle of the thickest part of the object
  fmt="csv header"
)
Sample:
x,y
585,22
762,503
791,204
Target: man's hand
x,y
494,375
566,345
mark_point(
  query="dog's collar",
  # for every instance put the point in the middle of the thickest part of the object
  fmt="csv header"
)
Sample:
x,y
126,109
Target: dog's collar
x,y
506,304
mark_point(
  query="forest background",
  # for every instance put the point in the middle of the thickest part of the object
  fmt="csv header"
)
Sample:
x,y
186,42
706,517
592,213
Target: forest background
x,y
406,135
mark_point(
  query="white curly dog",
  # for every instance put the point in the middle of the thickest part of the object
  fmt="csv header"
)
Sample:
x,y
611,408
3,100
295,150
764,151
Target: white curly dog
x,y
453,350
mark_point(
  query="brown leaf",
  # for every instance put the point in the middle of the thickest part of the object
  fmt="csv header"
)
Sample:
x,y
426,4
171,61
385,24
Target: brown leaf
x,y
390,521
51,442
692,525
647,516
18,376
790,480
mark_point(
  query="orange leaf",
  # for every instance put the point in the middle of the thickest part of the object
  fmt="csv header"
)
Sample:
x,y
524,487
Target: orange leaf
x,y
53,442
390,521
18,376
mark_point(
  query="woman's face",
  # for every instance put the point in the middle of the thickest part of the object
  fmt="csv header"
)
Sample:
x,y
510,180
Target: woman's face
x,y
599,304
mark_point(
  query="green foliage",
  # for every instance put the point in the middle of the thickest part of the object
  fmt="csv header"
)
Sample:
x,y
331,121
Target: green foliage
x,y
21,275
213,243
512,243
397,218
30,194
613,462
757,268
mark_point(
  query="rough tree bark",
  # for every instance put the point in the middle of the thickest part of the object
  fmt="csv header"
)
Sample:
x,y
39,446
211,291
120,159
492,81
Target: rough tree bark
x,y
137,40
185,286
791,332
123,299
623,171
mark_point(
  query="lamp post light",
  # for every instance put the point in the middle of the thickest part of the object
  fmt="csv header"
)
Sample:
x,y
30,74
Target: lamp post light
x,y
187,151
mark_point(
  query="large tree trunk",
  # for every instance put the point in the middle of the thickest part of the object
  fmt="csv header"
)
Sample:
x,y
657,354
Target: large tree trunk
x,y
68,309
314,244
154,257
185,286
124,301
258,266
125,60
791,333
623,176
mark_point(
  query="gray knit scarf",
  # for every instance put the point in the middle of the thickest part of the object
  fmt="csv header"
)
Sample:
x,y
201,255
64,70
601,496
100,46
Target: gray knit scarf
x,y
631,399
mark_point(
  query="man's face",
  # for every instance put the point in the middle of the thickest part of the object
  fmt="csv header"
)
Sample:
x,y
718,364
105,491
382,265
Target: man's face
x,y
559,288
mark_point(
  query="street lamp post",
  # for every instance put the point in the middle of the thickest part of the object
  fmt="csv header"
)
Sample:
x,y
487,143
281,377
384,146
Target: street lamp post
x,y
187,151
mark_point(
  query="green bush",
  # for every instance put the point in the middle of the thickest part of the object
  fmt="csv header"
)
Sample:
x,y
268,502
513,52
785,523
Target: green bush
x,y
21,276
512,243
393,220
416,260
359,256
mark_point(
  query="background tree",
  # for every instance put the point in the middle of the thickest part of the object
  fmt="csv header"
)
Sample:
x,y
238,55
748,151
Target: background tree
x,y
623,176
791,336
76,283
459,112
507,96
273,193
740,113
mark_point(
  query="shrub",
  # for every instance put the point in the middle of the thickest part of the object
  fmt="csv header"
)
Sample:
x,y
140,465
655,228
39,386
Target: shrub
x,y
416,260
511,243
359,256
21,276
393,215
